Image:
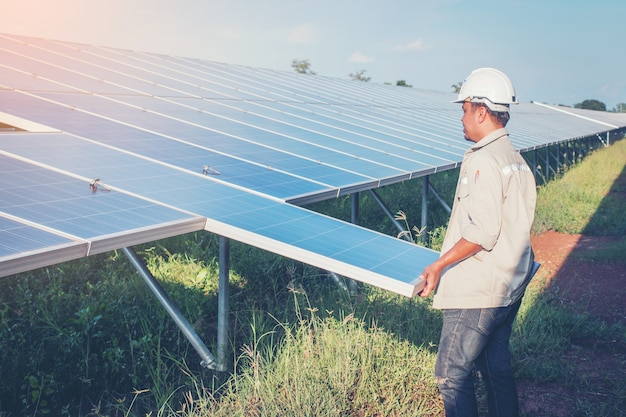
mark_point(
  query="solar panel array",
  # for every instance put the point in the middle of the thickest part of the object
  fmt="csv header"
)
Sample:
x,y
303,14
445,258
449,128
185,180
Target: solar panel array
x,y
115,147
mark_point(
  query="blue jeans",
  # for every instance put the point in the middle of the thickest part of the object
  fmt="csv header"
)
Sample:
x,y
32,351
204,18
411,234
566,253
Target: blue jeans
x,y
477,338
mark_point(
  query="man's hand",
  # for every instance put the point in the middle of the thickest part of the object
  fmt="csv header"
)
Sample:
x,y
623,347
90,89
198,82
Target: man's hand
x,y
431,275
463,249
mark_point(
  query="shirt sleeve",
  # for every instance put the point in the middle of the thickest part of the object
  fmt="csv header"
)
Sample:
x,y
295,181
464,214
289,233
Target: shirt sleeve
x,y
484,201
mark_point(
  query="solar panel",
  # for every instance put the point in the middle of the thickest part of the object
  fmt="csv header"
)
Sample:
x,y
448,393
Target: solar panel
x,y
80,209
239,214
22,238
183,144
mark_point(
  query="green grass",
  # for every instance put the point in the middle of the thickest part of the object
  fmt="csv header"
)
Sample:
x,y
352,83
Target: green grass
x,y
588,199
329,367
88,338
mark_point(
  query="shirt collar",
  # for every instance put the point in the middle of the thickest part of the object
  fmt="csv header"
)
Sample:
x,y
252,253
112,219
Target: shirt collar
x,y
491,137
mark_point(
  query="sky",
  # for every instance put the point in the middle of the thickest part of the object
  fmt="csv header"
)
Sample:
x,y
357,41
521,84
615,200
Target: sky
x,y
554,51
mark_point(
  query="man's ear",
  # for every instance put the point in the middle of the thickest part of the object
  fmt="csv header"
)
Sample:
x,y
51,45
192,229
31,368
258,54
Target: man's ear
x,y
481,113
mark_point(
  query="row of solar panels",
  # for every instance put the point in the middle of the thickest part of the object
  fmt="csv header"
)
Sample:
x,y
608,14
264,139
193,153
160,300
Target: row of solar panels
x,y
178,145
51,212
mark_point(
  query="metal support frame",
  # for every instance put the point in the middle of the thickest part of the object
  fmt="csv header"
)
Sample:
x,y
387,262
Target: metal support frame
x,y
354,211
540,161
351,285
575,152
222,303
565,155
535,164
339,281
386,210
545,166
424,219
445,205
207,359
560,155
427,188
550,170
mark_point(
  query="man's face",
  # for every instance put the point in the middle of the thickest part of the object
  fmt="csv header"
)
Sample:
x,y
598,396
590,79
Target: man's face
x,y
470,121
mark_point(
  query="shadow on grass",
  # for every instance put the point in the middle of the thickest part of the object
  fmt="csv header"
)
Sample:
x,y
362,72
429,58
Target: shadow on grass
x,y
581,311
592,276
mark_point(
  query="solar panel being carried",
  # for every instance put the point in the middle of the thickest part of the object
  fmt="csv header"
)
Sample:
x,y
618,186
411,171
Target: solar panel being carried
x,y
106,148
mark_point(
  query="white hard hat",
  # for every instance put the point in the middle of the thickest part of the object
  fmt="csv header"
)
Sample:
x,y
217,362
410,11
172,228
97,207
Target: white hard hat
x,y
489,86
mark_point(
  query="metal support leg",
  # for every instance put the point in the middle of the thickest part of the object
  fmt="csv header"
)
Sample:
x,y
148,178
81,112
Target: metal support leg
x,y
351,285
207,358
222,303
424,221
548,163
382,205
354,209
545,166
443,203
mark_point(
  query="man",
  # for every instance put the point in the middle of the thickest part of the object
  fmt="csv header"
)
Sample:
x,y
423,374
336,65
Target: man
x,y
486,260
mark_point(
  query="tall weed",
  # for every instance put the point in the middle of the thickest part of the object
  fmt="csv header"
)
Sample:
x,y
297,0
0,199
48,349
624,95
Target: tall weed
x,y
330,367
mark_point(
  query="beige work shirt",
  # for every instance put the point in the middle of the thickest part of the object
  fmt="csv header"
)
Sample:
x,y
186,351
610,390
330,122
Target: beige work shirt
x,y
494,207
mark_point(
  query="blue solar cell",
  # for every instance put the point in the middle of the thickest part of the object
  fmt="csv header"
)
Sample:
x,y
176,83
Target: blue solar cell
x,y
385,140
69,205
271,159
282,139
16,238
22,81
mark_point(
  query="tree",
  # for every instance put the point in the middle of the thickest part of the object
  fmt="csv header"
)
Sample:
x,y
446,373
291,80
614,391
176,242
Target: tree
x,y
302,66
456,88
402,83
591,104
360,76
620,108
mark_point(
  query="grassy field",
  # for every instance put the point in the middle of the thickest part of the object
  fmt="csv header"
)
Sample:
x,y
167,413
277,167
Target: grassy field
x,y
87,338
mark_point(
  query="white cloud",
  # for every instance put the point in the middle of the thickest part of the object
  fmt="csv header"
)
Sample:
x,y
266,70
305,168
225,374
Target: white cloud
x,y
303,35
416,45
359,58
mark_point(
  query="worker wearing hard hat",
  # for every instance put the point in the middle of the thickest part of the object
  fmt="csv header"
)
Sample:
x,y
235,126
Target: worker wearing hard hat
x,y
486,260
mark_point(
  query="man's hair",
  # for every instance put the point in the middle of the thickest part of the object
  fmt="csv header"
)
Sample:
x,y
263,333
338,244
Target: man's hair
x,y
502,116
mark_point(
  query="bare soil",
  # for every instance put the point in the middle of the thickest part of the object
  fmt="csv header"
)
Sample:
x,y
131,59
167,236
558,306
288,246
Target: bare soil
x,y
592,287
583,286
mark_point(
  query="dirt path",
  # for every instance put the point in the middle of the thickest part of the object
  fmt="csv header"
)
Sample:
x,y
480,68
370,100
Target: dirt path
x,y
587,287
